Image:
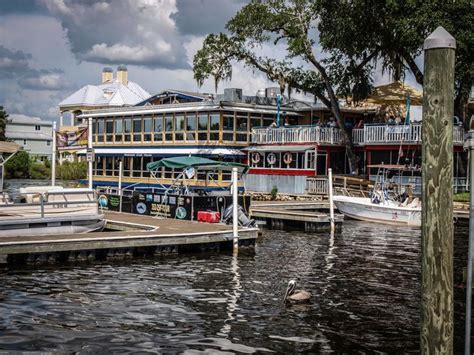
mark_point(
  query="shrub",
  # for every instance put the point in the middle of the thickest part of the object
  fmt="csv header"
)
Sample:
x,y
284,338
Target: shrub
x,y
18,166
72,171
38,170
274,192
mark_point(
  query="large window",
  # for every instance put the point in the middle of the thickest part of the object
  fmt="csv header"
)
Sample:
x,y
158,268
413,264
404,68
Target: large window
x,y
241,120
100,130
214,125
228,126
202,126
147,126
127,129
158,128
109,130
255,120
137,129
118,129
191,126
169,127
179,127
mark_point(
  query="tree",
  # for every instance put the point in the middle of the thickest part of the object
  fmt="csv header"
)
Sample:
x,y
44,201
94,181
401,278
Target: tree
x,y
3,123
290,22
18,166
393,32
354,37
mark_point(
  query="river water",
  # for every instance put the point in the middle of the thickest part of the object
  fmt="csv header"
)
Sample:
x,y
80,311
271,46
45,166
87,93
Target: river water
x,y
365,286
364,281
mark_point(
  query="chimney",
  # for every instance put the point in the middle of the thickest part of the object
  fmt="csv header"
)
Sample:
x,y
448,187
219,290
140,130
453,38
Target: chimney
x,y
122,74
107,75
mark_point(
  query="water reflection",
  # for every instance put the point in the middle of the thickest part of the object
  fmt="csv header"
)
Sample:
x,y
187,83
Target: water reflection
x,y
364,284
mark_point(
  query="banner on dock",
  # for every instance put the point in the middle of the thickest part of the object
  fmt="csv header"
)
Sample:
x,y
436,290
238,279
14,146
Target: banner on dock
x,y
72,138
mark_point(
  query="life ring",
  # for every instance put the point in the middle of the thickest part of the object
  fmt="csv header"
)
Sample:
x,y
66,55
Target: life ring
x,y
271,158
287,158
256,157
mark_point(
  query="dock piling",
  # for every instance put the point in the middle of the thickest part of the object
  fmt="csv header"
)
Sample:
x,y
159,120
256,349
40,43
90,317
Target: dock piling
x,y
437,194
331,201
235,208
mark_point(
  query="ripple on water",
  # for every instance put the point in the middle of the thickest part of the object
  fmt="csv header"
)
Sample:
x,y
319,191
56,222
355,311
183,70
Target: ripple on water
x,y
364,285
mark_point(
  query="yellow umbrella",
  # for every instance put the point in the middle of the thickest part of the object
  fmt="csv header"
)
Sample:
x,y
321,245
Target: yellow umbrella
x,y
395,94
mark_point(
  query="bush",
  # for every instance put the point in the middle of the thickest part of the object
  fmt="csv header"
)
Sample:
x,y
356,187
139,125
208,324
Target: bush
x,y
38,170
18,166
72,171
274,192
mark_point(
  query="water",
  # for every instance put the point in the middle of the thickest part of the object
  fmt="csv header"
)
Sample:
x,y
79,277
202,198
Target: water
x,y
365,285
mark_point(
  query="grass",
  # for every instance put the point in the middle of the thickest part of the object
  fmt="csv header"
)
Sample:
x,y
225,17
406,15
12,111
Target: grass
x,y
461,197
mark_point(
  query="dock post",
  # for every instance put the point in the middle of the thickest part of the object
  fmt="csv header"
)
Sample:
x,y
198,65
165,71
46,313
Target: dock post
x,y
235,206
89,148
469,143
53,156
120,184
331,201
436,333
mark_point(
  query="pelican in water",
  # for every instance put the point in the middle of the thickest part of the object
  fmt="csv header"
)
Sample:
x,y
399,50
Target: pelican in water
x,y
294,296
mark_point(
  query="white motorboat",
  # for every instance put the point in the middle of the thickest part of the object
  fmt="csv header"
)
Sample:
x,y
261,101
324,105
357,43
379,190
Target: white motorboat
x,y
389,212
50,210
384,205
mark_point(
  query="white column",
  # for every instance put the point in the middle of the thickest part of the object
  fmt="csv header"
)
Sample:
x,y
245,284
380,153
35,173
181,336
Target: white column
x,y
61,120
89,149
120,184
73,115
53,157
331,202
235,206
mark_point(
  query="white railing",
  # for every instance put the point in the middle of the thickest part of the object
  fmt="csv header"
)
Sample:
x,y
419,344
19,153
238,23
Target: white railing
x,y
297,134
395,134
317,185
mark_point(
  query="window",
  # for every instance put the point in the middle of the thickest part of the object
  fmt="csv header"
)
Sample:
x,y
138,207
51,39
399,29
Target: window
x,y
202,126
169,127
118,129
109,130
228,126
179,126
214,125
37,128
147,123
100,130
24,141
48,143
190,126
137,129
127,129
158,129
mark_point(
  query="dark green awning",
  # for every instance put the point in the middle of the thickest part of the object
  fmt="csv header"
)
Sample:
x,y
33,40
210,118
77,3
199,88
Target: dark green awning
x,y
195,162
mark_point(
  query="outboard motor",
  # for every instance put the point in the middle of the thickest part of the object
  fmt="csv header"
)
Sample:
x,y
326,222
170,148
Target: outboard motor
x,y
244,220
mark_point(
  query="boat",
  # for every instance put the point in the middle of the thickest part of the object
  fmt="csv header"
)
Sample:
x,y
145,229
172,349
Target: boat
x,y
50,210
383,204
182,199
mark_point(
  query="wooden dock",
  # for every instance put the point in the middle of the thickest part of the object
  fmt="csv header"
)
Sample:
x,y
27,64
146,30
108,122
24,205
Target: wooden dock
x,y
310,216
137,236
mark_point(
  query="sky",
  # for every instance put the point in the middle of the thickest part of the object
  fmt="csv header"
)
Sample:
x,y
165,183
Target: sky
x,y
51,48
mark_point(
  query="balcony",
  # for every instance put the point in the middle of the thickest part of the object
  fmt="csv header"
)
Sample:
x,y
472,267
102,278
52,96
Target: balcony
x,y
394,134
296,134
370,134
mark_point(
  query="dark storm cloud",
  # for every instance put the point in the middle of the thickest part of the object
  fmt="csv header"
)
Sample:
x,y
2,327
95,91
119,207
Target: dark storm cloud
x,y
44,80
201,17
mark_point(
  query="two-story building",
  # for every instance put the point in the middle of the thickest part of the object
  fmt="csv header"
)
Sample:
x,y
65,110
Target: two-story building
x,y
33,134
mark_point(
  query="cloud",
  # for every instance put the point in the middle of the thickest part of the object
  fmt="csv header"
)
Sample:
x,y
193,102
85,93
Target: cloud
x,y
139,32
13,62
201,17
44,80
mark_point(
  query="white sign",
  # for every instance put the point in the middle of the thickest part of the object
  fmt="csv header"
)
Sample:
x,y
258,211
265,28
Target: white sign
x,y
90,155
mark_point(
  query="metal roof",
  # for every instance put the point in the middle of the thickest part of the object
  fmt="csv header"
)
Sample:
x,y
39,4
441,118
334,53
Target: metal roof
x,y
280,148
164,151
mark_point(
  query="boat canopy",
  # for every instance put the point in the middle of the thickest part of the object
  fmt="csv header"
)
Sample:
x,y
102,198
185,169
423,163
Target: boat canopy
x,y
394,167
195,162
9,147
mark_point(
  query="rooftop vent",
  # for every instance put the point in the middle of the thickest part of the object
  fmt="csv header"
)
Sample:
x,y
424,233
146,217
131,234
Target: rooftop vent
x,y
233,95
107,75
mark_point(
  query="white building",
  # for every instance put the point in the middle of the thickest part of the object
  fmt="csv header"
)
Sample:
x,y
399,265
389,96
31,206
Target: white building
x,y
112,92
31,133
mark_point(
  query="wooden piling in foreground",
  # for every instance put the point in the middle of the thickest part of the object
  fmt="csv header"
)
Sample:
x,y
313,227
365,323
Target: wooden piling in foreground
x,y
437,194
